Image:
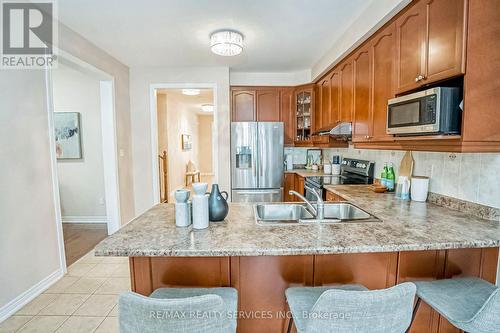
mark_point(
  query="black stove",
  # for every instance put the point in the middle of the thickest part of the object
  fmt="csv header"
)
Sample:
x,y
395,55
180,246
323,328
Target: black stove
x,y
353,172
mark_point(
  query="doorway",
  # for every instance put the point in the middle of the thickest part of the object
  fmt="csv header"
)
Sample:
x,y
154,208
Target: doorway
x,y
81,105
185,126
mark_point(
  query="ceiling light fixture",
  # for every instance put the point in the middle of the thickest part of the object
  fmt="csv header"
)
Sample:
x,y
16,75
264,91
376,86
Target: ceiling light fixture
x,y
226,43
207,108
191,92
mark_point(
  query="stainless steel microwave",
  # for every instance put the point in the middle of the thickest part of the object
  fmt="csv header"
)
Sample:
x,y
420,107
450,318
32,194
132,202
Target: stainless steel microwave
x,y
432,111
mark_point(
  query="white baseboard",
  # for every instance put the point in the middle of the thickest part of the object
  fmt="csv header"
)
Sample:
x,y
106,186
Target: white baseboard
x,y
84,219
17,303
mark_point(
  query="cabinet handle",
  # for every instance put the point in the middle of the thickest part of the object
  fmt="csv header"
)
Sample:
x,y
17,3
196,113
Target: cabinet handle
x,y
419,78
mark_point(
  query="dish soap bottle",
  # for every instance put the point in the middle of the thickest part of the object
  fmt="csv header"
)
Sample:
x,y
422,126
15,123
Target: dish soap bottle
x,y
391,179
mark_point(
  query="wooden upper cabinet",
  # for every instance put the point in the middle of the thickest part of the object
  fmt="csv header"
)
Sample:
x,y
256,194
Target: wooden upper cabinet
x,y
445,55
268,105
334,98
287,114
410,47
362,89
346,90
243,105
322,114
482,86
430,43
382,53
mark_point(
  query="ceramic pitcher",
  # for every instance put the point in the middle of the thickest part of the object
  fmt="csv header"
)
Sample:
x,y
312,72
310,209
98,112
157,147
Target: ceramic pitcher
x,y
217,204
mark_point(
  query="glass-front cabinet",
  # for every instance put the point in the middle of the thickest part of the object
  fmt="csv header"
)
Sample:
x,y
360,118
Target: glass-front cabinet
x,y
304,108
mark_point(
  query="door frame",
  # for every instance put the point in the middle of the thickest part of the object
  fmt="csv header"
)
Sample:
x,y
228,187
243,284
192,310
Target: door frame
x,y
154,130
109,146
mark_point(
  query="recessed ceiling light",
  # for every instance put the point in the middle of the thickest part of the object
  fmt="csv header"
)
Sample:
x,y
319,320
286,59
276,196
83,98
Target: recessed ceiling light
x,y
191,92
207,108
226,43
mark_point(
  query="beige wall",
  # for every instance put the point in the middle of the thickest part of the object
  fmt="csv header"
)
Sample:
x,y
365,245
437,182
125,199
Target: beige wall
x,y
141,79
81,181
181,120
81,48
28,235
205,123
161,105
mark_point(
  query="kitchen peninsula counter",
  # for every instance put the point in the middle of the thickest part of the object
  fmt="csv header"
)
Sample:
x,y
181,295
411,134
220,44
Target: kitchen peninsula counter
x,y
413,241
404,226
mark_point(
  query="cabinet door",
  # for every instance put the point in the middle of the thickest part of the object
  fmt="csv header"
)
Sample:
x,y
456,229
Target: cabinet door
x,y
445,40
410,47
288,184
382,49
268,105
261,283
362,82
334,98
323,111
243,106
346,90
287,115
299,184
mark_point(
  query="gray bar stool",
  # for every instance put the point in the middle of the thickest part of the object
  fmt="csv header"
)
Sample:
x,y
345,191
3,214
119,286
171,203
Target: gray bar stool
x,y
470,304
186,310
351,308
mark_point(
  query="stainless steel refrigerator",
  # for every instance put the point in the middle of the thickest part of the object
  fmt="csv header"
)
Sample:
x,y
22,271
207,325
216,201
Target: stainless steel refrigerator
x,y
257,161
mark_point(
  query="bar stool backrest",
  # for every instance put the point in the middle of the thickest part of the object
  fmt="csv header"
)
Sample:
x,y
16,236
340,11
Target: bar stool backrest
x,y
205,313
377,311
487,319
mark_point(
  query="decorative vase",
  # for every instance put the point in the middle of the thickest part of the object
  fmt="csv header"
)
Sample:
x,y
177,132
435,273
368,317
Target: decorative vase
x,y
200,206
217,204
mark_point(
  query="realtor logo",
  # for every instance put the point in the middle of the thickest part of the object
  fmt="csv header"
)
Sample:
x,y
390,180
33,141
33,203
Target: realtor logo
x,y
28,31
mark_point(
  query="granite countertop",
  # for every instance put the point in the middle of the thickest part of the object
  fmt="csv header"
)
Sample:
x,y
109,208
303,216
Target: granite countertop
x,y
308,173
405,226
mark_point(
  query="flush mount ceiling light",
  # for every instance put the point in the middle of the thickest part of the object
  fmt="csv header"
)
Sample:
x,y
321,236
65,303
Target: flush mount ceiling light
x,y
191,92
207,108
226,43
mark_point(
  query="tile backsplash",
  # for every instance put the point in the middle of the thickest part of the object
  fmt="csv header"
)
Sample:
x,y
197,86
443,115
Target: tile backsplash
x,y
471,177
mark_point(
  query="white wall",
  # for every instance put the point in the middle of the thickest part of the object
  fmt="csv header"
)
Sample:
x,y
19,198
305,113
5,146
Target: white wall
x,y
141,80
81,181
472,177
28,234
373,17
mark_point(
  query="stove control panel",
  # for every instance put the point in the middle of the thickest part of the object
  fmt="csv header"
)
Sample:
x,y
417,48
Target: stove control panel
x,y
360,167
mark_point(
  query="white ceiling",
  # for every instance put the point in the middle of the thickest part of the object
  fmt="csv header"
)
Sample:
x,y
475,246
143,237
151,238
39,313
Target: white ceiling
x,y
191,103
280,35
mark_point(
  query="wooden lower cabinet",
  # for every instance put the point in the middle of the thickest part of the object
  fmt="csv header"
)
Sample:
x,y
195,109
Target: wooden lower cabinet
x,y
372,270
288,184
330,196
261,284
299,184
261,281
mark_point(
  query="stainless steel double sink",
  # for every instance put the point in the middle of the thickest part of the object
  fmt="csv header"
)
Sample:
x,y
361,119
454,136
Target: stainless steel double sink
x,y
299,213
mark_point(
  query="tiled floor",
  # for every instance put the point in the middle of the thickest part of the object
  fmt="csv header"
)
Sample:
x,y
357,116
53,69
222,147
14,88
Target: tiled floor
x,y
83,301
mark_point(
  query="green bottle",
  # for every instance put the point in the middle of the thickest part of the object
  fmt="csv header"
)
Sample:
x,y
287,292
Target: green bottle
x,y
383,176
391,179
